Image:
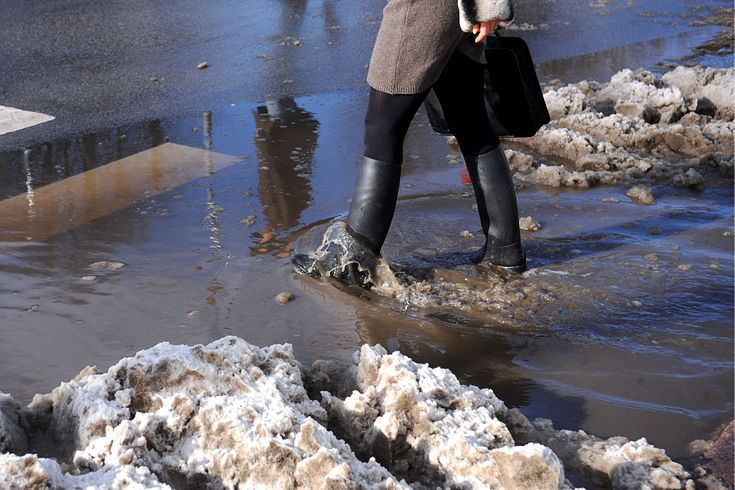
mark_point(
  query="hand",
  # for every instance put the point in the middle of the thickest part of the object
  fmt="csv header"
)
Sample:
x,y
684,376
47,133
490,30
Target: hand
x,y
483,29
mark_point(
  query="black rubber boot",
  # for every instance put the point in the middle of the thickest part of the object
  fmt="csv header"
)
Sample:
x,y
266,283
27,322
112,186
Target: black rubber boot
x,y
374,202
350,251
498,209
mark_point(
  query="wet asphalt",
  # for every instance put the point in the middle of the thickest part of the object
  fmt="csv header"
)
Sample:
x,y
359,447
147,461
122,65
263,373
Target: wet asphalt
x,y
96,65
100,65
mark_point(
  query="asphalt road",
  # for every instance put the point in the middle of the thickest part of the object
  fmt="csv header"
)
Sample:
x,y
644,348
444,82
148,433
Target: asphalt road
x,y
95,65
98,65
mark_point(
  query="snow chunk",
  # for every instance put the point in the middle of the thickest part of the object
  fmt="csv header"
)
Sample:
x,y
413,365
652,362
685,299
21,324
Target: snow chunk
x,y
611,463
564,101
641,194
528,223
12,437
689,179
431,430
714,85
30,471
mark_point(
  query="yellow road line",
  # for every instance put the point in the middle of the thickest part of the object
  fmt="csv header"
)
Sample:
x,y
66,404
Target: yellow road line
x,y
55,208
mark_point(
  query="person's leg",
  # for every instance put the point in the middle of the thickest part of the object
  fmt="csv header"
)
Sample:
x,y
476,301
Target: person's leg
x,y
386,124
350,250
460,92
376,191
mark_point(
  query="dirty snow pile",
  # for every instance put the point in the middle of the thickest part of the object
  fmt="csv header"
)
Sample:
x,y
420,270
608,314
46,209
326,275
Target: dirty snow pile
x,y
231,415
672,129
223,415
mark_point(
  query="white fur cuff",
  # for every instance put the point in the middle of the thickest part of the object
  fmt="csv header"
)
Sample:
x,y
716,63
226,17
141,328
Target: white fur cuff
x,y
473,12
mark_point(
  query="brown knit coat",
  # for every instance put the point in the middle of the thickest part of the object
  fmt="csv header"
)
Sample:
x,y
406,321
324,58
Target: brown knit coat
x,y
417,38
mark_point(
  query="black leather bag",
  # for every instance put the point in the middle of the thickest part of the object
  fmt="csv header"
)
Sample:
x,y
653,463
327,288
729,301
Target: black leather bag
x,y
513,97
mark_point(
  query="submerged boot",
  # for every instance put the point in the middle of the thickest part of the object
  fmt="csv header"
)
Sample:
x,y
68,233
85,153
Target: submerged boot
x,y
496,204
352,260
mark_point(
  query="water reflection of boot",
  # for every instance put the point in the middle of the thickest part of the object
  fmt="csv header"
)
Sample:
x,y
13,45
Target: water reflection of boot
x,y
351,257
498,209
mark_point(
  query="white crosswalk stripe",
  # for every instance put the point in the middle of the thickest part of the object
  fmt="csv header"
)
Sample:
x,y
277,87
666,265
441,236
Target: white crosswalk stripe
x,y
12,119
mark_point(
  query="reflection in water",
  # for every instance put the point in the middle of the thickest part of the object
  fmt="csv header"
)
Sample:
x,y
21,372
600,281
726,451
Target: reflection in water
x,y
89,149
292,15
213,211
61,206
30,195
601,65
285,140
30,168
331,19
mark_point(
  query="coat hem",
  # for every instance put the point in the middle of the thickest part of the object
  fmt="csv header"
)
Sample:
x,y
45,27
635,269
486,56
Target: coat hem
x,y
398,89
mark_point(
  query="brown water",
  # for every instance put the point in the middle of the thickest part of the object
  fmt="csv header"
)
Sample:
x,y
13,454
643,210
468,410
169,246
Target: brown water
x,y
623,325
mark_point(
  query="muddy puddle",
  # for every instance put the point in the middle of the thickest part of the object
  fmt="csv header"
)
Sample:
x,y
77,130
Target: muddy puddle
x,y
625,315
622,325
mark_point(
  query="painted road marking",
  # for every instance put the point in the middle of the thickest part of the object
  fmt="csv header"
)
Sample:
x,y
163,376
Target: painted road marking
x,y
55,208
12,119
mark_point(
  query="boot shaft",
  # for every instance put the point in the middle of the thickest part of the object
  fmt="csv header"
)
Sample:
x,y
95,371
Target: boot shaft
x,y
497,206
374,202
